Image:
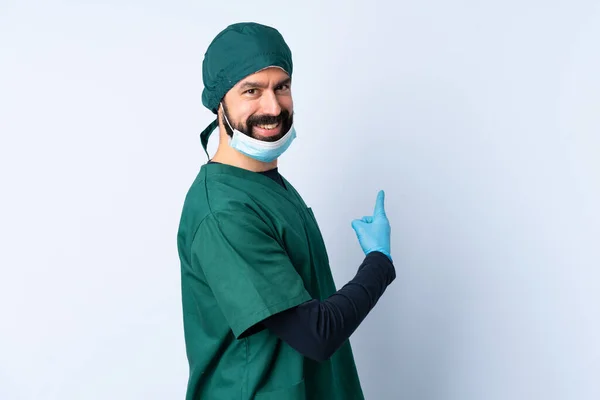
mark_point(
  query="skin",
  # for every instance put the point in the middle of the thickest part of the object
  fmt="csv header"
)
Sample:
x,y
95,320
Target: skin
x,y
264,93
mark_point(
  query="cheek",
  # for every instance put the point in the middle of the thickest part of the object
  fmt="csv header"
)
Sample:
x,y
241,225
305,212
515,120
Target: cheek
x,y
287,104
246,111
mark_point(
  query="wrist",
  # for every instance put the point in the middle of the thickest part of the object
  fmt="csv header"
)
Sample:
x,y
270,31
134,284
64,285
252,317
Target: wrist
x,y
384,262
381,252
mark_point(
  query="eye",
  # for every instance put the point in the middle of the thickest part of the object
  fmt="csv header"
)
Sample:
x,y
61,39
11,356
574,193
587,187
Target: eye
x,y
250,91
282,87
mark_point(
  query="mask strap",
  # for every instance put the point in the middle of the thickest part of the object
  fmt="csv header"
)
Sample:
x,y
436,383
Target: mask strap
x,y
225,117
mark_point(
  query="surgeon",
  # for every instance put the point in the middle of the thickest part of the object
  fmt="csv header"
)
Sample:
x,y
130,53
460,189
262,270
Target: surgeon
x,y
262,316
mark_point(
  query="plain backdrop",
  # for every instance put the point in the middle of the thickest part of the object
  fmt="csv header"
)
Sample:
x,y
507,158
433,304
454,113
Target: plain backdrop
x,y
480,120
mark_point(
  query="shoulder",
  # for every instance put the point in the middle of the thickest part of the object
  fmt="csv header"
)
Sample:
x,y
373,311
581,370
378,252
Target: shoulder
x,y
210,200
215,192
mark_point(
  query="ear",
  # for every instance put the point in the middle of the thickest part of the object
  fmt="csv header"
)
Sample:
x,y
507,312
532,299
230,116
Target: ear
x,y
223,126
220,113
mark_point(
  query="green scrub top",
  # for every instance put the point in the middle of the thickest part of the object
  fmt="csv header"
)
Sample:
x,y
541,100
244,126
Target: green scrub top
x,y
249,249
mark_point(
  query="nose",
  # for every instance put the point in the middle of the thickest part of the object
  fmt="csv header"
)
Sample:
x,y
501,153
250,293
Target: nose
x,y
269,103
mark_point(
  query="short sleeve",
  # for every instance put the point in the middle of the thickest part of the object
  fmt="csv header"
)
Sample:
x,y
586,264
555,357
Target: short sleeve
x,y
246,268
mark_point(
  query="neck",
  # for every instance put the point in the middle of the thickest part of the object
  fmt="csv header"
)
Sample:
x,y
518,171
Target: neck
x,y
227,155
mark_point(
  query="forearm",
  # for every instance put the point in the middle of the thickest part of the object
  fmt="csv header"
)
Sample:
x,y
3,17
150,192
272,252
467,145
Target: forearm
x,y
318,328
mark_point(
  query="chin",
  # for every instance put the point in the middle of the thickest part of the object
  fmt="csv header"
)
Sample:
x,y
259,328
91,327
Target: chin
x,y
268,138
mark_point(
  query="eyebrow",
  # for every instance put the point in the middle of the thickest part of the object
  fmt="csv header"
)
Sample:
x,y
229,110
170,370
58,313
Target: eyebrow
x,y
249,84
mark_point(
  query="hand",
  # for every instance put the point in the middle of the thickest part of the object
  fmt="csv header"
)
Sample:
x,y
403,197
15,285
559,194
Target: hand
x,y
373,232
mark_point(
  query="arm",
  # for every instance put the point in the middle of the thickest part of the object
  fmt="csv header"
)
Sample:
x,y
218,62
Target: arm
x,y
317,329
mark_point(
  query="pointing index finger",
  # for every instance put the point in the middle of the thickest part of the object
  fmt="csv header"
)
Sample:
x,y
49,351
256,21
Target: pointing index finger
x,y
379,203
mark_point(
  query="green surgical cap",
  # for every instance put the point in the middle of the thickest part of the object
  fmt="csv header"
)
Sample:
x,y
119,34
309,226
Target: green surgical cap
x,y
238,51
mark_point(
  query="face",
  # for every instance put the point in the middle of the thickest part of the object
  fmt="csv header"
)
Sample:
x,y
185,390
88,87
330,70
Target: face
x,y
260,105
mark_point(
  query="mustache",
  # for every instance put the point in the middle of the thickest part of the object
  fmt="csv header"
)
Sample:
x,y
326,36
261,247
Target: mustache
x,y
284,115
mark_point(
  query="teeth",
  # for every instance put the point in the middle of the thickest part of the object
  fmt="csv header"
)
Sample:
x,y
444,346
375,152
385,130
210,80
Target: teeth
x,y
272,126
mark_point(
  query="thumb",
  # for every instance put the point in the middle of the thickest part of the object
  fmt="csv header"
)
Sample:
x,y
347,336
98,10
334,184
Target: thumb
x,y
357,224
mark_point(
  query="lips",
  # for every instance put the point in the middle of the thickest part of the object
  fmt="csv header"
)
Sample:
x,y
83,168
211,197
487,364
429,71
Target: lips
x,y
267,129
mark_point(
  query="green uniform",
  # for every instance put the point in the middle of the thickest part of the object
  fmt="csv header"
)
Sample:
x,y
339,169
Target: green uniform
x,y
249,249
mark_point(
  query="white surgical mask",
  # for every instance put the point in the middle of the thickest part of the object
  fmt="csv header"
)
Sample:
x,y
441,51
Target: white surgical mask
x,y
259,149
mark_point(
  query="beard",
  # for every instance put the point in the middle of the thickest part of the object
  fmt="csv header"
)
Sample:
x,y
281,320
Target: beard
x,y
284,119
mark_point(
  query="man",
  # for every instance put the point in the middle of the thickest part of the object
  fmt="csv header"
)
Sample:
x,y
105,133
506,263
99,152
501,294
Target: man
x,y
262,316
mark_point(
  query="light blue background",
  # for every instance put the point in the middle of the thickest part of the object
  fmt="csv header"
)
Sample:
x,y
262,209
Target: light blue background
x,y
481,120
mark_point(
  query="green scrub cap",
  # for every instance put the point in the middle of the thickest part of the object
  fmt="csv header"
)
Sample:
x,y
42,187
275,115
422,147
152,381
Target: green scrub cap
x,y
239,50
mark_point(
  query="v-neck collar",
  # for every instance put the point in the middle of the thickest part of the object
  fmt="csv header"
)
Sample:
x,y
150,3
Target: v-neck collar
x,y
272,173
225,169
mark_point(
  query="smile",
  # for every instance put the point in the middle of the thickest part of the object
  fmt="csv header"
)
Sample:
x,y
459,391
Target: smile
x,y
268,127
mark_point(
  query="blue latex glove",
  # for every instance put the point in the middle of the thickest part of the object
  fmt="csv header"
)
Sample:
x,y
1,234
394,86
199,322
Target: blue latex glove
x,y
374,231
